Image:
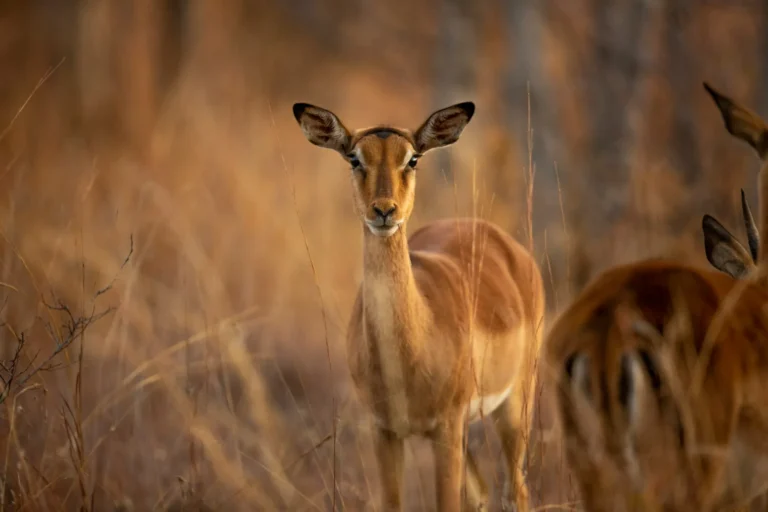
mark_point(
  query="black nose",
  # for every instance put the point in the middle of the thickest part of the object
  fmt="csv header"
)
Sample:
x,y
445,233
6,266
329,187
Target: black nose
x,y
384,214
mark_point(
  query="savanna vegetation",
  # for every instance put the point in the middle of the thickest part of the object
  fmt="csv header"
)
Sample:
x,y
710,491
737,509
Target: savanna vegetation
x,y
178,264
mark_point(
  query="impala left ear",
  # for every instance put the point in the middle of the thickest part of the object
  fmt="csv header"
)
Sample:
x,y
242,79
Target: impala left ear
x,y
322,127
724,251
444,126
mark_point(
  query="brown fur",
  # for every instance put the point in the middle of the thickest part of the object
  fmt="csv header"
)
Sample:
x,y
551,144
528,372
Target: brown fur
x,y
743,321
742,327
450,316
630,440
661,371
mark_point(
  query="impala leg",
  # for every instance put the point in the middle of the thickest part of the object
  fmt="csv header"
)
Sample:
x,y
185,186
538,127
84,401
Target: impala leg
x,y
390,454
477,491
513,420
448,450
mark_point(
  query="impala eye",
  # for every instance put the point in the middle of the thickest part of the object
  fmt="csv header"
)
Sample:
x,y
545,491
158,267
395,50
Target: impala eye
x,y
354,162
413,161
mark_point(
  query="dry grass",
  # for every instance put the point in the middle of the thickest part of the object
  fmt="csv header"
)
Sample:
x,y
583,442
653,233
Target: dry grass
x,y
220,380
220,377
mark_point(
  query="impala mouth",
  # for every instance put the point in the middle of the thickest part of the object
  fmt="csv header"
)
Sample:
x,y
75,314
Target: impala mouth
x,y
383,230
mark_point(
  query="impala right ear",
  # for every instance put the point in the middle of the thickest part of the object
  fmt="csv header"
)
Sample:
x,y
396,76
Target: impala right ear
x,y
741,122
753,234
321,127
444,126
723,251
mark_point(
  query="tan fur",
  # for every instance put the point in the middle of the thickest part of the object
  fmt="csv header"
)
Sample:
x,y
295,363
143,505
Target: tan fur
x,y
661,371
443,322
643,451
743,322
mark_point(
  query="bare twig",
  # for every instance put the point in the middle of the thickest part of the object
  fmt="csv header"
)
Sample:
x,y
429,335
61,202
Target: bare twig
x,y
122,266
14,375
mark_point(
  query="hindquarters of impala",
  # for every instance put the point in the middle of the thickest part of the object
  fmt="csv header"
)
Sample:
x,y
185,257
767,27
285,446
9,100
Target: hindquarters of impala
x,y
632,437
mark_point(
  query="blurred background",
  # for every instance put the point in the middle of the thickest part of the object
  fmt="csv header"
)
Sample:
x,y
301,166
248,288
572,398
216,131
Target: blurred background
x,y
161,131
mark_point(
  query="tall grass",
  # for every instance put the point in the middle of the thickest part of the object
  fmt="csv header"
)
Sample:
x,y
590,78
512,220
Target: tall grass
x,y
220,378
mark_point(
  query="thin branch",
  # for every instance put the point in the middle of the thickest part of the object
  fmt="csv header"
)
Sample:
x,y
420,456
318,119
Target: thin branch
x,y
13,377
40,83
122,266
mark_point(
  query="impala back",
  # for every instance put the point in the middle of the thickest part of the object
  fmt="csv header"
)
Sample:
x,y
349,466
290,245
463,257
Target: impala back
x,y
635,439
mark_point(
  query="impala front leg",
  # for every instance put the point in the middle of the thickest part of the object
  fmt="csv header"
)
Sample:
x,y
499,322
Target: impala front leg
x,y
449,459
390,454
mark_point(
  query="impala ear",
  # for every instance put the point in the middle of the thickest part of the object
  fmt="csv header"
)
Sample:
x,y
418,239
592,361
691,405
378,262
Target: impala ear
x,y
321,127
444,126
723,251
741,122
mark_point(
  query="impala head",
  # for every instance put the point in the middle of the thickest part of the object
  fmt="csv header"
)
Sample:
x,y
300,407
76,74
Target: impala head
x,y
383,159
724,251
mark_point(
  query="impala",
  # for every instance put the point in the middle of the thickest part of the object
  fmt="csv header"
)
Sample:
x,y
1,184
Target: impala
x,y
446,325
743,321
658,372
628,434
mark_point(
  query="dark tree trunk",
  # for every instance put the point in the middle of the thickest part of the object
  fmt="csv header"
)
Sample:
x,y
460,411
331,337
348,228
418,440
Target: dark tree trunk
x,y
608,87
454,62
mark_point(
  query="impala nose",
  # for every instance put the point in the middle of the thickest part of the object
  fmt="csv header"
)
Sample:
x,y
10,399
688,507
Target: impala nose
x,y
384,212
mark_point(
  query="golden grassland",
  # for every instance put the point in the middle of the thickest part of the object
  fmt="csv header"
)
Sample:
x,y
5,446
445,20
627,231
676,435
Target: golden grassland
x,y
227,247
220,375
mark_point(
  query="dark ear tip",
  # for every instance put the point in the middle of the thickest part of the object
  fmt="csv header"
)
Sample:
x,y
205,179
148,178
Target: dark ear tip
x,y
743,196
711,90
713,229
720,99
468,107
711,225
298,109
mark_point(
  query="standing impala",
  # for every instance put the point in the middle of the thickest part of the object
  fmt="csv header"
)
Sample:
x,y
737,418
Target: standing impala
x,y
446,325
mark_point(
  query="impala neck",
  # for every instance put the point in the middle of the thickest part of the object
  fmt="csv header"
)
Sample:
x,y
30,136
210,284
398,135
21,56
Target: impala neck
x,y
393,306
